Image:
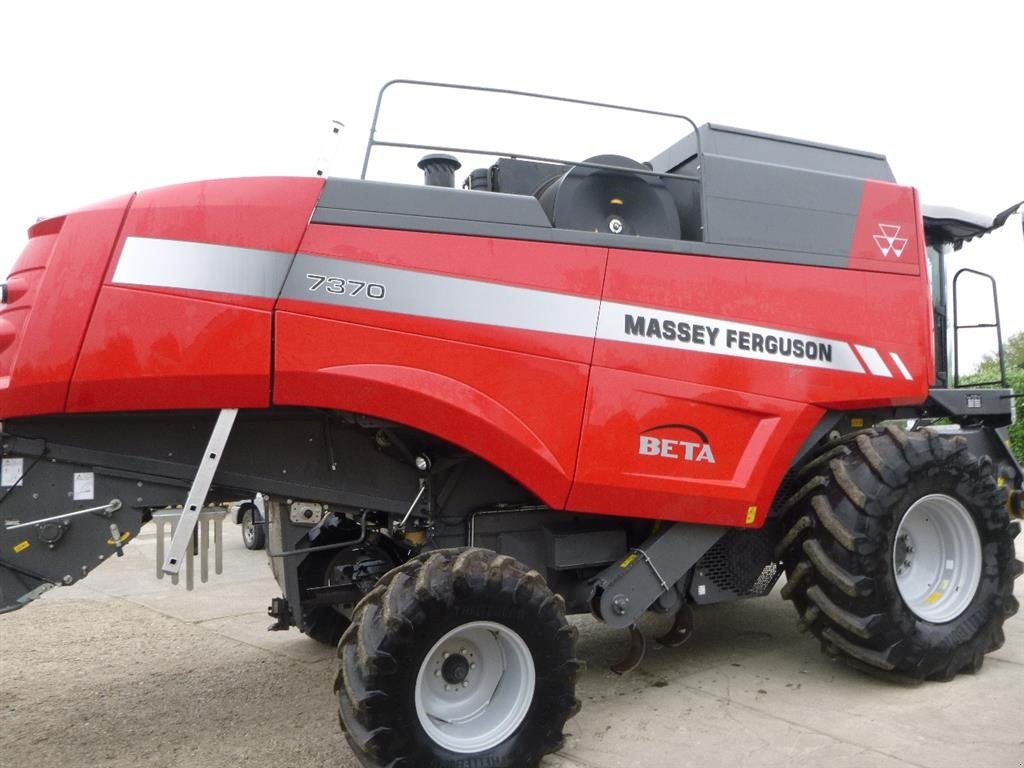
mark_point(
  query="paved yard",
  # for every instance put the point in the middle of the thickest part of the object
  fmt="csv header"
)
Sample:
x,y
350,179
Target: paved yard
x,y
125,670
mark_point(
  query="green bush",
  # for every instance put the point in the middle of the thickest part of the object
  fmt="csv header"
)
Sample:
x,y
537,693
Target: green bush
x,y
1016,378
989,371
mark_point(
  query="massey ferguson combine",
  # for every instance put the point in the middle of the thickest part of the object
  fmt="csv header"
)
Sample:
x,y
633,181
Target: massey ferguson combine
x,y
601,386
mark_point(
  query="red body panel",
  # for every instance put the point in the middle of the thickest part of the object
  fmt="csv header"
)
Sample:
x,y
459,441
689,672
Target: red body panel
x,y
887,237
268,213
888,312
513,397
149,351
575,269
752,440
585,416
527,424
571,269
755,413
158,347
58,277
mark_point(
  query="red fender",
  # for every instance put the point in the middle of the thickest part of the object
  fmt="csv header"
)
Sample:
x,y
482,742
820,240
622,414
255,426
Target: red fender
x,y
451,410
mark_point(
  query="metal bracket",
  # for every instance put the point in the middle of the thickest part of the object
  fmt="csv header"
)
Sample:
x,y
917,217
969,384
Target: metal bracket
x,y
424,485
627,588
197,493
106,510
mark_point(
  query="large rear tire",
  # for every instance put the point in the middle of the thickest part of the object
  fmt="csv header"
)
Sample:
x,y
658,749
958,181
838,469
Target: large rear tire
x,y
899,554
457,657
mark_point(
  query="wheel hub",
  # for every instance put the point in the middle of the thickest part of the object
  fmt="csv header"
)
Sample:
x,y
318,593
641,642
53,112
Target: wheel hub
x,y
475,687
937,558
455,669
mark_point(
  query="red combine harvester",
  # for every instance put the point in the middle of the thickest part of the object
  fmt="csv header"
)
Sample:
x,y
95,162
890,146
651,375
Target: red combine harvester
x,y
605,386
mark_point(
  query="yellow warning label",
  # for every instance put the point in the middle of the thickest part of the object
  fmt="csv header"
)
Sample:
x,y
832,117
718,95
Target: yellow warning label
x,y
21,546
933,597
628,561
751,514
124,537
857,422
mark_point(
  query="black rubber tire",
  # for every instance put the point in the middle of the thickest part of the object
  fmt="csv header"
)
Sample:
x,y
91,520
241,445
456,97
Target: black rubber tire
x,y
838,553
326,625
254,535
398,622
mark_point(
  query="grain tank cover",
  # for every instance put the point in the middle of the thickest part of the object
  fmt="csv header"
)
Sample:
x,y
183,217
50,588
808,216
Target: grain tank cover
x,y
775,192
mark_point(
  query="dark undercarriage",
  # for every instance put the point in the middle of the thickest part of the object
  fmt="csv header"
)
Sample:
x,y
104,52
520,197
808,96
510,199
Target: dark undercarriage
x,y
348,498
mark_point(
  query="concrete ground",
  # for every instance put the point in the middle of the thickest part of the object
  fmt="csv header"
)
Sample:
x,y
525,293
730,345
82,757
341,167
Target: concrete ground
x,y
126,671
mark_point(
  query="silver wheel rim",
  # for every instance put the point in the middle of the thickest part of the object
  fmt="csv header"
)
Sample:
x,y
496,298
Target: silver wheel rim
x,y
475,687
937,558
248,528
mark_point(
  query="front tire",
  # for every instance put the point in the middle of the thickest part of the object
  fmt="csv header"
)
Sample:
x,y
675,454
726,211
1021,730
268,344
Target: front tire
x,y
457,657
899,554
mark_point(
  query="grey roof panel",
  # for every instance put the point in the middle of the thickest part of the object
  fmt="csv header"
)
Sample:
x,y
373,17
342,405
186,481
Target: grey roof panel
x,y
548,234
435,202
772,206
778,150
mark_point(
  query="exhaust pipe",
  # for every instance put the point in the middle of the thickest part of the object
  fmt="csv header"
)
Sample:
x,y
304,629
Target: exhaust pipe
x,y
439,170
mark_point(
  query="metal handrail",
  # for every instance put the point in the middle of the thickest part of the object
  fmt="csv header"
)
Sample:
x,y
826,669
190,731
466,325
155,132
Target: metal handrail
x,y
372,140
956,331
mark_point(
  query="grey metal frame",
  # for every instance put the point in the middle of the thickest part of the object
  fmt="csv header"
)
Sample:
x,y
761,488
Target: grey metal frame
x,y
626,589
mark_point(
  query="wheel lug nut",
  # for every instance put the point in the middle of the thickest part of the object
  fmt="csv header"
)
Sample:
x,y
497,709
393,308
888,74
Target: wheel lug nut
x,y
465,685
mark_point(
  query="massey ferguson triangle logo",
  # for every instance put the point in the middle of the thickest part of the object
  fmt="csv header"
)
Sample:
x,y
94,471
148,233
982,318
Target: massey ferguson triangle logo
x,y
889,241
696,448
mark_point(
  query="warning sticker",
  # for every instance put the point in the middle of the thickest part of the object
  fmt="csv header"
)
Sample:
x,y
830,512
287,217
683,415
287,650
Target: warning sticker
x,y
84,486
11,472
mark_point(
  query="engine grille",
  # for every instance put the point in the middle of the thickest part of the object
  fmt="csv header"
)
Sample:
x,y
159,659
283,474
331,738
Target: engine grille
x,y
740,564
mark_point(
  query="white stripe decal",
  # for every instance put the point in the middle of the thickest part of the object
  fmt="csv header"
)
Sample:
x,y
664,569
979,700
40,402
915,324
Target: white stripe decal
x,y
442,297
874,361
320,279
675,330
899,364
202,267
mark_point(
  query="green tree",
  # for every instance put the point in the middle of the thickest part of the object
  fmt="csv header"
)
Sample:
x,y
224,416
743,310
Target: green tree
x,y
1013,348
988,370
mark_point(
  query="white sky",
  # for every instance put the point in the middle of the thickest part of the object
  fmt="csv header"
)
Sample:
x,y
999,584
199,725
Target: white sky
x,y
101,98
